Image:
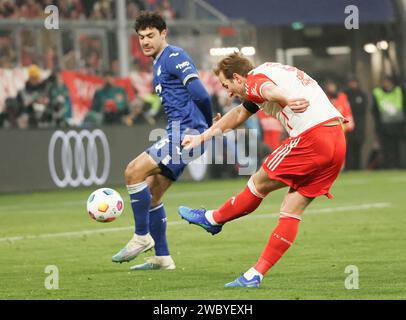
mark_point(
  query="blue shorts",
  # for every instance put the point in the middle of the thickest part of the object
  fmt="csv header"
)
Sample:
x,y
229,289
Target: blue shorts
x,y
171,158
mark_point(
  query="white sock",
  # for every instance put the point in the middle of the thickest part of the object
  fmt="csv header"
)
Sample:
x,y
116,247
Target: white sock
x,y
135,188
164,258
209,217
251,273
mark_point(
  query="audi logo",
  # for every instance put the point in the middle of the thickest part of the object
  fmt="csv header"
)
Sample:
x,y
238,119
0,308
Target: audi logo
x,y
79,158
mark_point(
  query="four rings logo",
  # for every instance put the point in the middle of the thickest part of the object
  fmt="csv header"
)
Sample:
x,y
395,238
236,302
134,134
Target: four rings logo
x,y
79,158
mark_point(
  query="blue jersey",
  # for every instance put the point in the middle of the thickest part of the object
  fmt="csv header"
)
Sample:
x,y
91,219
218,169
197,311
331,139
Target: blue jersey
x,y
173,69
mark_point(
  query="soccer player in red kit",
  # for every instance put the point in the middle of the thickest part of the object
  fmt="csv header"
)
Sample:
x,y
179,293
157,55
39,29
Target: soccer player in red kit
x,y
307,162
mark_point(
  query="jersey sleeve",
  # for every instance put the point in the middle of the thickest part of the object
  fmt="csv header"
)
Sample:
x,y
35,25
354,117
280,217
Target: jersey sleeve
x,y
181,66
254,85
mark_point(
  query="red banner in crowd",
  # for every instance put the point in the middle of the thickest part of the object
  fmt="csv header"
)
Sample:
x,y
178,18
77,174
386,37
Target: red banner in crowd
x,y
83,86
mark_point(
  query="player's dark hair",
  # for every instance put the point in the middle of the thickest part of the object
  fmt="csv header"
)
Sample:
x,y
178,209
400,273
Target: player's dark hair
x,y
149,20
234,63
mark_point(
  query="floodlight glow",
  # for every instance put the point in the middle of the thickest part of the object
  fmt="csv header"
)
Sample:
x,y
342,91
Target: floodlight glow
x,y
248,51
338,50
370,48
383,45
223,51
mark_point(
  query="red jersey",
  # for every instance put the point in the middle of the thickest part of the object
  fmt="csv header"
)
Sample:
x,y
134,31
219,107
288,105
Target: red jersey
x,y
296,84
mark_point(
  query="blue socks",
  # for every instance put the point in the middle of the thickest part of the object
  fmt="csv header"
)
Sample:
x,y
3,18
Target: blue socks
x,y
140,202
157,226
148,219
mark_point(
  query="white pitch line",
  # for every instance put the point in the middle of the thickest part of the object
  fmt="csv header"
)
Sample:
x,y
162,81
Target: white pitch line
x,y
377,205
45,207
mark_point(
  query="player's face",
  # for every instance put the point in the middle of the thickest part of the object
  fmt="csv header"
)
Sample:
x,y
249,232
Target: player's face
x,y
152,41
234,87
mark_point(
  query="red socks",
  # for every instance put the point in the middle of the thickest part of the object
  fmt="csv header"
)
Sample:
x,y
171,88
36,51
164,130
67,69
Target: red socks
x,y
245,202
282,236
280,240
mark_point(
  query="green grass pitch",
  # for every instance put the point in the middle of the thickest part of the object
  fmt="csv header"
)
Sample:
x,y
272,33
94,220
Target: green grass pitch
x,y
364,226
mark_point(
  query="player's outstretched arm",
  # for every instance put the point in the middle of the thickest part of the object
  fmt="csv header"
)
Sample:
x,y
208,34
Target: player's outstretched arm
x,y
273,93
231,120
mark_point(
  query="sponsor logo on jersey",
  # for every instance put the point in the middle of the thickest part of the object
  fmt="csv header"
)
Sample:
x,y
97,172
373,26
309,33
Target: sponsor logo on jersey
x,y
183,65
254,90
247,88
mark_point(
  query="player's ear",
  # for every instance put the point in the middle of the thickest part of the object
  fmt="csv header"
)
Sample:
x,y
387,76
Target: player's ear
x,y
237,78
164,33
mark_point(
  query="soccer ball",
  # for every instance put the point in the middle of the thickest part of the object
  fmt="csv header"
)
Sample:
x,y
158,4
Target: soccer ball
x,y
105,205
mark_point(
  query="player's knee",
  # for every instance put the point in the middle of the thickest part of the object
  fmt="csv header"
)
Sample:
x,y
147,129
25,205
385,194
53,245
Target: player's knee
x,y
134,173
294,215
261,186
254,189
264,184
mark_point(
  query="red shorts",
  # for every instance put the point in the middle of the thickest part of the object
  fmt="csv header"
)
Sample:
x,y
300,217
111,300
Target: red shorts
x,y
310,162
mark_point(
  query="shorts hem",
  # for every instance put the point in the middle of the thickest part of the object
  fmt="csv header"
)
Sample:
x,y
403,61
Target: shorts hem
x,y
165,171
290,184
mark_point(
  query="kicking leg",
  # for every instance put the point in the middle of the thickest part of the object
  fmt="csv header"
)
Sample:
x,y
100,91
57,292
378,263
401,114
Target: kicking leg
x,y
247,201
280,240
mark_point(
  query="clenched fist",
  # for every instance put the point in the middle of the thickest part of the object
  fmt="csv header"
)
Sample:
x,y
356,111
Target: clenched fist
x,y
192,141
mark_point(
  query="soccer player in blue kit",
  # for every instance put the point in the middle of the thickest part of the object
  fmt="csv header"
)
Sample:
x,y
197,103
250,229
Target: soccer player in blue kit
x,y
188,107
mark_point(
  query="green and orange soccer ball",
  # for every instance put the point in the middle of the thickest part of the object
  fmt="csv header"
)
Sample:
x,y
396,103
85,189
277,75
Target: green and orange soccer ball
x,y
105,205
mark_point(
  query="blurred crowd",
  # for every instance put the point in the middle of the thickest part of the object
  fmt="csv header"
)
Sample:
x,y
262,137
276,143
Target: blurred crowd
x,y
47,104
82,9
94,52
41,103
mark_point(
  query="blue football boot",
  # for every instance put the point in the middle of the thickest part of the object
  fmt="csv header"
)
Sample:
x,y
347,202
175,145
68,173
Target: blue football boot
x,y
197,217
241,281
